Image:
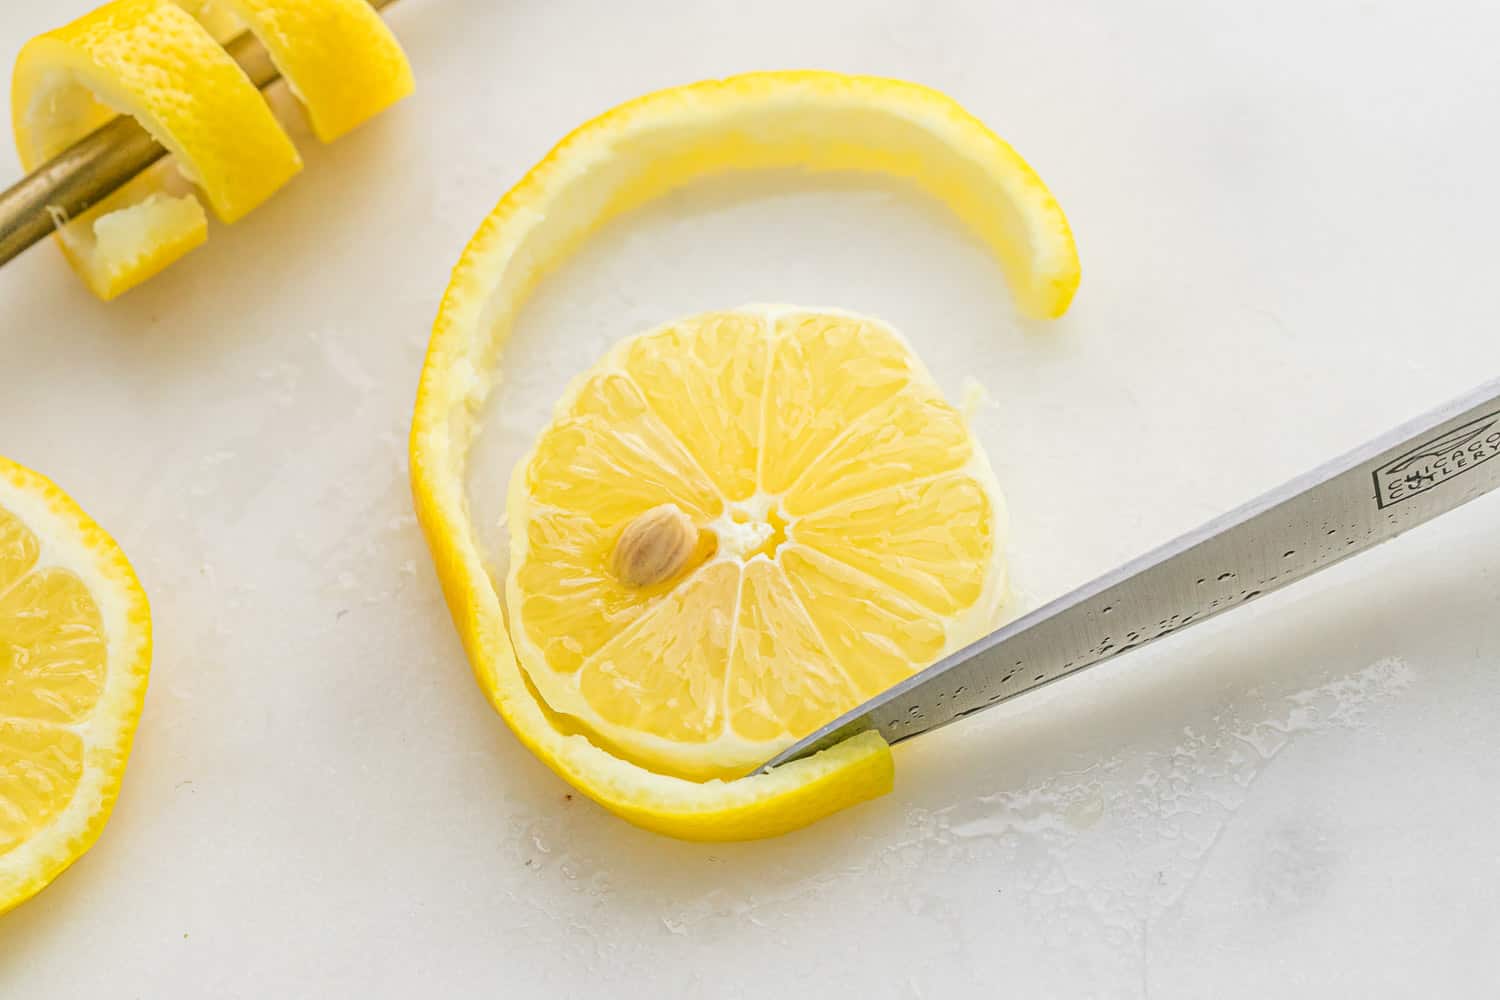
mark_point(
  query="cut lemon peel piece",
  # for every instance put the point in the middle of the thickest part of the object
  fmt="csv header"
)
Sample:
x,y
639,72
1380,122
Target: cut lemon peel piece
x,y
151,60
66,594
616,162
154,61
338,57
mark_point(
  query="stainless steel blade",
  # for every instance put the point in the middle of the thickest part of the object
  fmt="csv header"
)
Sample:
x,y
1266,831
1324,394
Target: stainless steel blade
x,y
1410,475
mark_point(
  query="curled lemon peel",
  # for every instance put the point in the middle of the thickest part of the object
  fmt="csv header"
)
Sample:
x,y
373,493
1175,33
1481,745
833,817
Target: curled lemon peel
x,y
338,57
616,162
152,60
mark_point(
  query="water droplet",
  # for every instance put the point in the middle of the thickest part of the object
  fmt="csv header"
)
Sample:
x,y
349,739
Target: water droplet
x,y
1288,553
1108,609
1225,576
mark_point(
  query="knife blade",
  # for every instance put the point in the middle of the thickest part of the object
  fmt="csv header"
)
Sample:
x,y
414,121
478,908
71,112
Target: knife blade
x,y
1401,479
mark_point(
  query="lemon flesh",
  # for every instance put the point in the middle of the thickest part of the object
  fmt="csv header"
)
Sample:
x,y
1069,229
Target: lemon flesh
x,y
852,523
75,641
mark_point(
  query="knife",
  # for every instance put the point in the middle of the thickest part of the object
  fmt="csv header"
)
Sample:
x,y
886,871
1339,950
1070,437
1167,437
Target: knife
x,y
1407,476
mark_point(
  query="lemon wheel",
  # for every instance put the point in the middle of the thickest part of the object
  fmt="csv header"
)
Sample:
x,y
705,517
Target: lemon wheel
x,y
75,650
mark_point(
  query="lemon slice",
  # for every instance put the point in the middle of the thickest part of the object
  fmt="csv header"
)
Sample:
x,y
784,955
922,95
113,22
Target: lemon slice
x,y
620,160
75,649
742,525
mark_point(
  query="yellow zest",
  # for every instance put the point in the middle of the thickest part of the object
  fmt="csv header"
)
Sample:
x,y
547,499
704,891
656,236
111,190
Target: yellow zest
x,y
338,57
75,651
152,60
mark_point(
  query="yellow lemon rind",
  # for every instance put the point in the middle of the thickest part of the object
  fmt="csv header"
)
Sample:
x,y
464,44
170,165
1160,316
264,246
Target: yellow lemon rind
x,y
161,63
338,57
70,539
151,60
631,154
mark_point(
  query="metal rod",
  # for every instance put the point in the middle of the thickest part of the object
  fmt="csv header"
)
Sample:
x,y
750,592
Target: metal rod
x,y
102,162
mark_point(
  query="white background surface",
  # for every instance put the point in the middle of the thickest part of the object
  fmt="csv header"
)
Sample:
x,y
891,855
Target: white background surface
x,y
1286,213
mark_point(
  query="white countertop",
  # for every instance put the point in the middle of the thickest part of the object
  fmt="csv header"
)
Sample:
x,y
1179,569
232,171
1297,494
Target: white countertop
x,y
1286,214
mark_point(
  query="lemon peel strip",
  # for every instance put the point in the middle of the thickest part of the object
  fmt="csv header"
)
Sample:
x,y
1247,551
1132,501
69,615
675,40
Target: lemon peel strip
x,y
338,57
153,60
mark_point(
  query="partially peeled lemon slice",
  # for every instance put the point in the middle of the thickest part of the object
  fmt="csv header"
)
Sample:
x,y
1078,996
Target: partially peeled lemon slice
x,y
625,761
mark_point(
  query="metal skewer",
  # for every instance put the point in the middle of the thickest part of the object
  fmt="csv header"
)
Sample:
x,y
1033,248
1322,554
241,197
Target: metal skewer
x,y
102,162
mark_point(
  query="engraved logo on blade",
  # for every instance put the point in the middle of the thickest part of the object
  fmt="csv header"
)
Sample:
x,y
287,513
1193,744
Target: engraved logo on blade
x,y
1439,460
